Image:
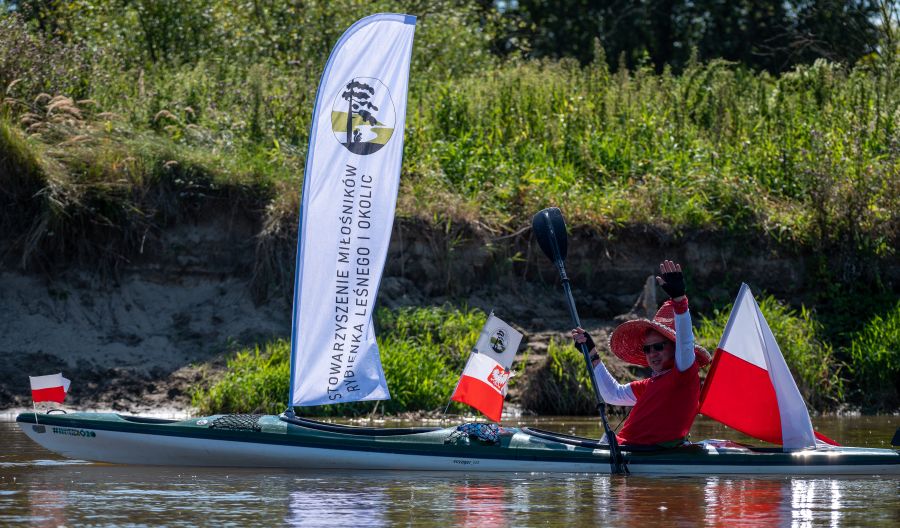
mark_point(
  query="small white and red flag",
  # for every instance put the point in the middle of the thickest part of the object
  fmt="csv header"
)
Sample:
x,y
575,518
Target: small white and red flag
x,y
483,385
749,386
52,387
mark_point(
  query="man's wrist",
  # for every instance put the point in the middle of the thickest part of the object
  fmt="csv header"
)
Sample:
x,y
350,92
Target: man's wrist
x,y
680,304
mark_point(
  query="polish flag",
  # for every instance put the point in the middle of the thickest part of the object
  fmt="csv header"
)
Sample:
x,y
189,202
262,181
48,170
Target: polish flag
x,y
52,388
483,385
749,386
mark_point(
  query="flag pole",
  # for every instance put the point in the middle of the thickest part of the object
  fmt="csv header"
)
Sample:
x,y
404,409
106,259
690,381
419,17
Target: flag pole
x,y
34,405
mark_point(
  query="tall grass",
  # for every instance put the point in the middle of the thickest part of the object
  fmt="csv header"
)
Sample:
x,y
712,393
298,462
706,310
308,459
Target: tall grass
x,y
875,354
810,358
423,352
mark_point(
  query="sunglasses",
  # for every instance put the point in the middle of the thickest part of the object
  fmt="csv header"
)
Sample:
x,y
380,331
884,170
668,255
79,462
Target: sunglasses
x,y
654,346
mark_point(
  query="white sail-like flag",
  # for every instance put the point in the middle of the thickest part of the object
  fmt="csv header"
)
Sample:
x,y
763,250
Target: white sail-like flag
x,y
347,210
749,386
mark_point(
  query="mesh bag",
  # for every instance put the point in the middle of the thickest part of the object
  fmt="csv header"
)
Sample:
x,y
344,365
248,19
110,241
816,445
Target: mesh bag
x,y
238,422
485,432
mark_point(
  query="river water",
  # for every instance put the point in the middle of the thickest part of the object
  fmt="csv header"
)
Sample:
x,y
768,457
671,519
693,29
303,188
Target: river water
x,y
42,489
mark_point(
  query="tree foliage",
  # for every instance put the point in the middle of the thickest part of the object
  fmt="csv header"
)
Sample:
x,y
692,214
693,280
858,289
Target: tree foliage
x,y
774,35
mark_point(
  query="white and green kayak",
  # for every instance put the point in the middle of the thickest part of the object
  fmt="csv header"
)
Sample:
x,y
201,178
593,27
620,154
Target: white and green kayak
x,y
298,443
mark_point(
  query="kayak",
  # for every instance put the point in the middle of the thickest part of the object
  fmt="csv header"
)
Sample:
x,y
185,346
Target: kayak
x,y
299,443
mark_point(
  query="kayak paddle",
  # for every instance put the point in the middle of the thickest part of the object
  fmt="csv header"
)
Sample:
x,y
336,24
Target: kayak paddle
x,y
550,229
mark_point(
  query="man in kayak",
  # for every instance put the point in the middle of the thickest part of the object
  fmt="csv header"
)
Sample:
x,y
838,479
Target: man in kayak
x,y
666,403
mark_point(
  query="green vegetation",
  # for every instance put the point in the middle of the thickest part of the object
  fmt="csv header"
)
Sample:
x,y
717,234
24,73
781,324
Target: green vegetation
x,y
423,352
562,385
255,381
875,352
811,359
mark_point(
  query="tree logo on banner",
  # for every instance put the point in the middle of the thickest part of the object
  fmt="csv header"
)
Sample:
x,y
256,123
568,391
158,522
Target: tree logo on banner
x,y
498,341
363,116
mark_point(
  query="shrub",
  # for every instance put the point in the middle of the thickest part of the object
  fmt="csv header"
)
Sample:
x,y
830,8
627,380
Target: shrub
x,y
255,381
31,63
810,359
875,352
562,384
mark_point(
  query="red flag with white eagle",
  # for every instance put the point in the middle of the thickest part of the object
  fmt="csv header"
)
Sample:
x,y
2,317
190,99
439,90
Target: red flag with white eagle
x,y
483,385
749,386
52,388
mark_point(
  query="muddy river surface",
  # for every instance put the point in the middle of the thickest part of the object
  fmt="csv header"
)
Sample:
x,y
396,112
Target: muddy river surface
x,y
39,488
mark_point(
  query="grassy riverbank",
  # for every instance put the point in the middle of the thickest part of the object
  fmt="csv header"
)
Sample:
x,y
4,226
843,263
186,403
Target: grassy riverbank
x,y
119,121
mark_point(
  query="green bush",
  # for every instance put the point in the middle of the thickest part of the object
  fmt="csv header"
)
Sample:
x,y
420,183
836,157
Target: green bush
x,y
423,353
255,381
875,352
810,359
32,63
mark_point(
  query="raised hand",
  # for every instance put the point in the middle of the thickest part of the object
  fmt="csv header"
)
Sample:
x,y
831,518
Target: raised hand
x,y
670,279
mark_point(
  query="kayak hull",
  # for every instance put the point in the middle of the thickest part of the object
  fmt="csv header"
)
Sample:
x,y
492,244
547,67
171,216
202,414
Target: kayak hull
x,y
275,443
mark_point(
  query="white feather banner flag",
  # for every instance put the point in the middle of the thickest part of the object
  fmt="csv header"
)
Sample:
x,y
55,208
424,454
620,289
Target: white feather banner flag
x,y
347,211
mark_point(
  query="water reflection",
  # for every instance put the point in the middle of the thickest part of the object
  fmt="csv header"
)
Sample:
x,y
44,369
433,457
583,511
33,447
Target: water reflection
x,y
810,496
729,500
47,507
480,505
109,495
330,505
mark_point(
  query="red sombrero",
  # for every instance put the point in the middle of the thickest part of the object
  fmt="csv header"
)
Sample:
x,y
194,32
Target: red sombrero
x,y
627,341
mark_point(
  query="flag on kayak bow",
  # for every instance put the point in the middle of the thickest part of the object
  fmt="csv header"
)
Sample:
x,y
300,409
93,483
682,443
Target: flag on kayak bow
x,y
347,211
50,388
483,385
484,381
749,386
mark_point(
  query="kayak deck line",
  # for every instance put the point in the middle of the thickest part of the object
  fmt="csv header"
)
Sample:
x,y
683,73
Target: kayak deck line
x,y
353,429
301,443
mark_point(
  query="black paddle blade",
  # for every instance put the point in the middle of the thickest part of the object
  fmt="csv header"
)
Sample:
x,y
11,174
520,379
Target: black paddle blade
x,y
896,440
550,230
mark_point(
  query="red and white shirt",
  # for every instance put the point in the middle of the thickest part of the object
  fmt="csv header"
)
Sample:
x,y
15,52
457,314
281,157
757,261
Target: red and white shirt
x,y
665,404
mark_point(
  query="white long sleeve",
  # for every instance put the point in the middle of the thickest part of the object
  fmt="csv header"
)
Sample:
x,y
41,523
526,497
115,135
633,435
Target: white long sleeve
x,y
684,341
611,390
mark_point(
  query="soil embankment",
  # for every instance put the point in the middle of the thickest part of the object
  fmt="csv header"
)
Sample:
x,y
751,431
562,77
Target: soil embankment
x,y
137,341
